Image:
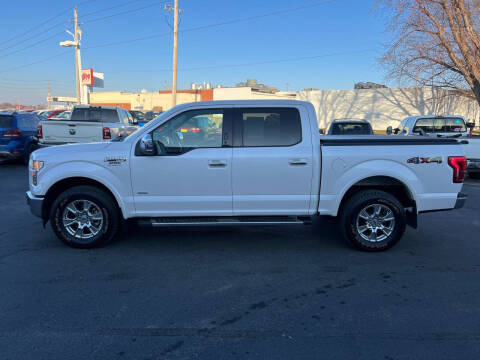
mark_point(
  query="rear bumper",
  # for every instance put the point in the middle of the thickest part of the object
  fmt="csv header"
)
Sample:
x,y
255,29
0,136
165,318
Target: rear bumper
x,y
461,199
35,203
473,165
7,155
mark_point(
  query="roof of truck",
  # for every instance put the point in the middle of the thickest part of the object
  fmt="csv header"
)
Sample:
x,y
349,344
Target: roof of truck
x,y
262,102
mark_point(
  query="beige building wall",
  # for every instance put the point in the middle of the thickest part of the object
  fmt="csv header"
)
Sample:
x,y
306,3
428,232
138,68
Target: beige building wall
x,y
143,101
384,107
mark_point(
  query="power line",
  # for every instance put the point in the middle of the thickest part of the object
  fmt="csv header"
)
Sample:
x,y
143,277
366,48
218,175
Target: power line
x,y
266,62
124,12
42,23
32,45
108,8
233,21
35,62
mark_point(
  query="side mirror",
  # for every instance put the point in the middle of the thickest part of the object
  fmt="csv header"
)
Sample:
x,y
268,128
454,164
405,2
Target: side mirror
x,y
321,131
146,146
135,121
389,130
470,125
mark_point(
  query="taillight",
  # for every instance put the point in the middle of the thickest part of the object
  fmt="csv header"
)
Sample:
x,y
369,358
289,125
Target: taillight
x,y
12,133
39,132
459,166
195,129
107,135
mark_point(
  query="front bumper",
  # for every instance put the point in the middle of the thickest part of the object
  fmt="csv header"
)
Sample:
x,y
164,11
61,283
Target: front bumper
x,y
461,199
35,203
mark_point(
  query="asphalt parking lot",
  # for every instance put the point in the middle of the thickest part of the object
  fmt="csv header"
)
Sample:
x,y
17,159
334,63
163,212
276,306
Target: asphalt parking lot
x,y
230,293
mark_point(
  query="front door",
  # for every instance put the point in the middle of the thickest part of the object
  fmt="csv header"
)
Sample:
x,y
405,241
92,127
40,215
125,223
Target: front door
x,y
192,175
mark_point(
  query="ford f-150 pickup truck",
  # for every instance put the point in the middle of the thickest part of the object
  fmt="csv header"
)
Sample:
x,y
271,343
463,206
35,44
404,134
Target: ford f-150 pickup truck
x,y
258,162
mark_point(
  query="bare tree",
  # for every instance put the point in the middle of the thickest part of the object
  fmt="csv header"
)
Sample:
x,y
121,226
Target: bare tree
x,y
436,42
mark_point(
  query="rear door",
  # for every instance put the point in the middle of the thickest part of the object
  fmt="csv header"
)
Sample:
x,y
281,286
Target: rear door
x,y
272,166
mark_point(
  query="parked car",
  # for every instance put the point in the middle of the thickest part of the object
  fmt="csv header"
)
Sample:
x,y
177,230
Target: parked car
x,y
445,126
349,127
267,166
87,124
54,113
65,115
17,135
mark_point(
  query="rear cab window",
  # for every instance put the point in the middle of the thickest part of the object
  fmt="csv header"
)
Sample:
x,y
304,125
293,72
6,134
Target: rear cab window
x,y
95,115
440,125
269,127
351,129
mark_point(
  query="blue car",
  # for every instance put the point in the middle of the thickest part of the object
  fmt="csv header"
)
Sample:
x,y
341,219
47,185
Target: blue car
x,y
18,133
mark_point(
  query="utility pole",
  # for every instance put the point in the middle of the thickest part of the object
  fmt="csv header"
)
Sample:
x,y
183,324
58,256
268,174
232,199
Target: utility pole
x,y
48,94
175,54
77,55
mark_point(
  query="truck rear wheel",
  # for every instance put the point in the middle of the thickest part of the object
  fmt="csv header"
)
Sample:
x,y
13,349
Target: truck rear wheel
x,y
373,220
85,217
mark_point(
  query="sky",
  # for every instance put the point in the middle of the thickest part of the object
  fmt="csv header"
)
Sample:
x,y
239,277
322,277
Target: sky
x,y
304,43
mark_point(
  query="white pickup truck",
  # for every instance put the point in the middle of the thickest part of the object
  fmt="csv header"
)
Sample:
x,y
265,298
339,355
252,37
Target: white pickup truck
x,y
86,124
258,162
445,126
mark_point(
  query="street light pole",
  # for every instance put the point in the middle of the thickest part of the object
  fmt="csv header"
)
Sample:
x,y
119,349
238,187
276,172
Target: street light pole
x,y
175,54
77,56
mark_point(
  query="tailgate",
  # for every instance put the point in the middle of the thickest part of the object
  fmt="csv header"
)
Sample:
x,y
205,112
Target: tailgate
x,y
71,131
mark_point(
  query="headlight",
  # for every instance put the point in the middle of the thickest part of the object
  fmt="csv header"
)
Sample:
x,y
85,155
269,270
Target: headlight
x,y
37,165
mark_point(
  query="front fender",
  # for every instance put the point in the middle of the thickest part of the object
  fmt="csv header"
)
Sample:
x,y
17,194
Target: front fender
x,y
117,181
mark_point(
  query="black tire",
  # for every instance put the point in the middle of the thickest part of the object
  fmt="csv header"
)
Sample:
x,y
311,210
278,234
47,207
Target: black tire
x,y
368,200
474,175
106,207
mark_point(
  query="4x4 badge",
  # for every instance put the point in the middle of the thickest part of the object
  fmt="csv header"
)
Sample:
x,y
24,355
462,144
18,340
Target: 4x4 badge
x,y
425,160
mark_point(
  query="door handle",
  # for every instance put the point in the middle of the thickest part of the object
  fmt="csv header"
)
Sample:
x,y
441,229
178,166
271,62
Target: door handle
x,y
298,162
217,163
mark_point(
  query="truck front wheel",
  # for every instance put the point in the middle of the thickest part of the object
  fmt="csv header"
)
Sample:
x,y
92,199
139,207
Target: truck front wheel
x,y
85,217
373,220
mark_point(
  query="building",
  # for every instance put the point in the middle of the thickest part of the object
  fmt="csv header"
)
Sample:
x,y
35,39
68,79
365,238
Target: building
x,y
380,106
383,107
148,101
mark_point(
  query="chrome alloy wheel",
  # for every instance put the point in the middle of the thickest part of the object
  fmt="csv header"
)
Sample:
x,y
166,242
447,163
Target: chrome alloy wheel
x,y
83,219
375,222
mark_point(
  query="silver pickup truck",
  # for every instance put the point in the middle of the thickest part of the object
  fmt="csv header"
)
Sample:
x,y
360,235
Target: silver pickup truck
x,y
445,126
87,124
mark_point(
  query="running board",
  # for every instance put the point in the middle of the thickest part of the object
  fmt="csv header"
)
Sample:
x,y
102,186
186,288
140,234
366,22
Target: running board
x,y
226,221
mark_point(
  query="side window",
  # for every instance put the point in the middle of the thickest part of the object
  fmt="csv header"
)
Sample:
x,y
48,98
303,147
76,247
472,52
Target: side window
x,y
271,127
129,118
190,130
123,116
423,124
